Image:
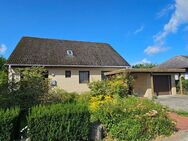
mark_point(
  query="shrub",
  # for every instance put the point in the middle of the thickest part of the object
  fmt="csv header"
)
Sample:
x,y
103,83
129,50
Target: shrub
x,y
185,85
58,95
84,98
99,87
60,122
134,118
8,119
127,129
121,85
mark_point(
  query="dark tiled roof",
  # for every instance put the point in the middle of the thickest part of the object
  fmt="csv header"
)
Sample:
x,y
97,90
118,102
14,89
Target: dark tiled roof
x,y
41,51
179,62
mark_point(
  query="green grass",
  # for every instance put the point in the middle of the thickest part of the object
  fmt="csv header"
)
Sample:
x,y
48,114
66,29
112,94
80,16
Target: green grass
x,y
182,113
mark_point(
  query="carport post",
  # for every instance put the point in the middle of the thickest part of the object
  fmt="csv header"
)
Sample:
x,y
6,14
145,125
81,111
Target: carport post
x,y
181,87
152,87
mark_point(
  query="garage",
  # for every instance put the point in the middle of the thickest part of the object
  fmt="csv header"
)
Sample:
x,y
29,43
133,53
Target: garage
x,y
162,84
151,82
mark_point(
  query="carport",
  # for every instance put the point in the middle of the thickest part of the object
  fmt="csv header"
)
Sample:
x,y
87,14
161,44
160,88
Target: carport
x,y
152,82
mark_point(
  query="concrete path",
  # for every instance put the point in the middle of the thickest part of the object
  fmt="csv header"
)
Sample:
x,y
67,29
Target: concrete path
x,y
180,136
176,102
179,103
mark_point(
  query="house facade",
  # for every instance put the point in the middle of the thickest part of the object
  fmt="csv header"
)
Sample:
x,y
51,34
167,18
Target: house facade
x,y
70,65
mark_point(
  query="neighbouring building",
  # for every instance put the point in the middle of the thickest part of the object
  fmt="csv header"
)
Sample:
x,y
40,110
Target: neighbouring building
x,y
177,62
71,65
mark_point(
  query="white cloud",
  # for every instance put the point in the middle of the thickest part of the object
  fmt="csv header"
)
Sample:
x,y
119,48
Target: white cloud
x,y
165,10
178,18
3,48
140,29
143,61
151,50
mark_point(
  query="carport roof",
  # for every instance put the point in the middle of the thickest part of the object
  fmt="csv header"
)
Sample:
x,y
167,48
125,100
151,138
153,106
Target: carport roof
x,y
152,70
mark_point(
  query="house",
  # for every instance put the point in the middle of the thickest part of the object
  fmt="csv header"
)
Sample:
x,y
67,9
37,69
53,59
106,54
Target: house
x,y
177,62
71,65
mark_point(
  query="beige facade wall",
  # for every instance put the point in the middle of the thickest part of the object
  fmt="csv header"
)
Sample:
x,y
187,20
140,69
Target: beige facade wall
x,y
143,84
72,84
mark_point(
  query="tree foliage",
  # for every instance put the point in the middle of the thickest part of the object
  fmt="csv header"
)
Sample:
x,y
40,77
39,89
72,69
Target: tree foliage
x,y
2,63
146,65
26,92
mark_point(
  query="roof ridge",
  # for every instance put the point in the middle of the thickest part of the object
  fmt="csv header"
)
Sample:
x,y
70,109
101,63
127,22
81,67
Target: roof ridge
x,y
46,38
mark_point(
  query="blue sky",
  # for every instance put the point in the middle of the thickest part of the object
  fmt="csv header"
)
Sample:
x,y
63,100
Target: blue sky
x,y
140,30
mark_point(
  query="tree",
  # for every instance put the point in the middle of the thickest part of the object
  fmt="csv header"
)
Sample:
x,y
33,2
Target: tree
x,y
146,65
26,92
2,63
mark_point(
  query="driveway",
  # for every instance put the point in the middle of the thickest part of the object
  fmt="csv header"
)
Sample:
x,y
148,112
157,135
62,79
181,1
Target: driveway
x,y
176,102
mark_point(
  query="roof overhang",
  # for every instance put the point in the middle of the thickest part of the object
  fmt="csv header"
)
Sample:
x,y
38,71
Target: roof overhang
x,y
80,66
152,70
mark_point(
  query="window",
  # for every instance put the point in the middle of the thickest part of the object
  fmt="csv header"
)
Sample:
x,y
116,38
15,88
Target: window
x,y
83,76
103,77
67,74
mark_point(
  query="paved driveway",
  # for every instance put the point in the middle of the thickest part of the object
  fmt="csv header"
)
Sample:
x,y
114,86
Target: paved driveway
x,y
177,102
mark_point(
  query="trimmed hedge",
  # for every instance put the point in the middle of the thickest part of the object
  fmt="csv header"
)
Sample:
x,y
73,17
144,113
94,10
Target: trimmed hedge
x,y
59,122
8,119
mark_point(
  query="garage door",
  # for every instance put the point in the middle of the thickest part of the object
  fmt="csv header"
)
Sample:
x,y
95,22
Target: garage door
x,y
162,84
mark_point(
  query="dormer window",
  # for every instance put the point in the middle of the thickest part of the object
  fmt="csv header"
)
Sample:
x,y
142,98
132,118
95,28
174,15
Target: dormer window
x,y
69,52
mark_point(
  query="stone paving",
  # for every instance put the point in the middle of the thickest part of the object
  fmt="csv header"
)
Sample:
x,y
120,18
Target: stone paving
x,y
176,102
180,103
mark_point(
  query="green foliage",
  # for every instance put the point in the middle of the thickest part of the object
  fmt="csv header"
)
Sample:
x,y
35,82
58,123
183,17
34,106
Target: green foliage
x,y
2,63
84,98
121,85
8,118
144,66
185,85
127,129
99,87
58,95
134,119
3,78
59,122
182,113
31,88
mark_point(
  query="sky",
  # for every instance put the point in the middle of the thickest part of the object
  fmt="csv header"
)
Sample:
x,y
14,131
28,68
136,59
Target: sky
x,y
142,31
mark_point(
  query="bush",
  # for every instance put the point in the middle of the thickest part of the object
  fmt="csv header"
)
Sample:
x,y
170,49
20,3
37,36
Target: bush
x,y
134,118
121,85
185,85
60,122
8,119
58,95
84,98
127,129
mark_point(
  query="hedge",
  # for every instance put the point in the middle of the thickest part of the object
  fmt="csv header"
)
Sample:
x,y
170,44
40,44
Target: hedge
x,y
59,122
8,120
